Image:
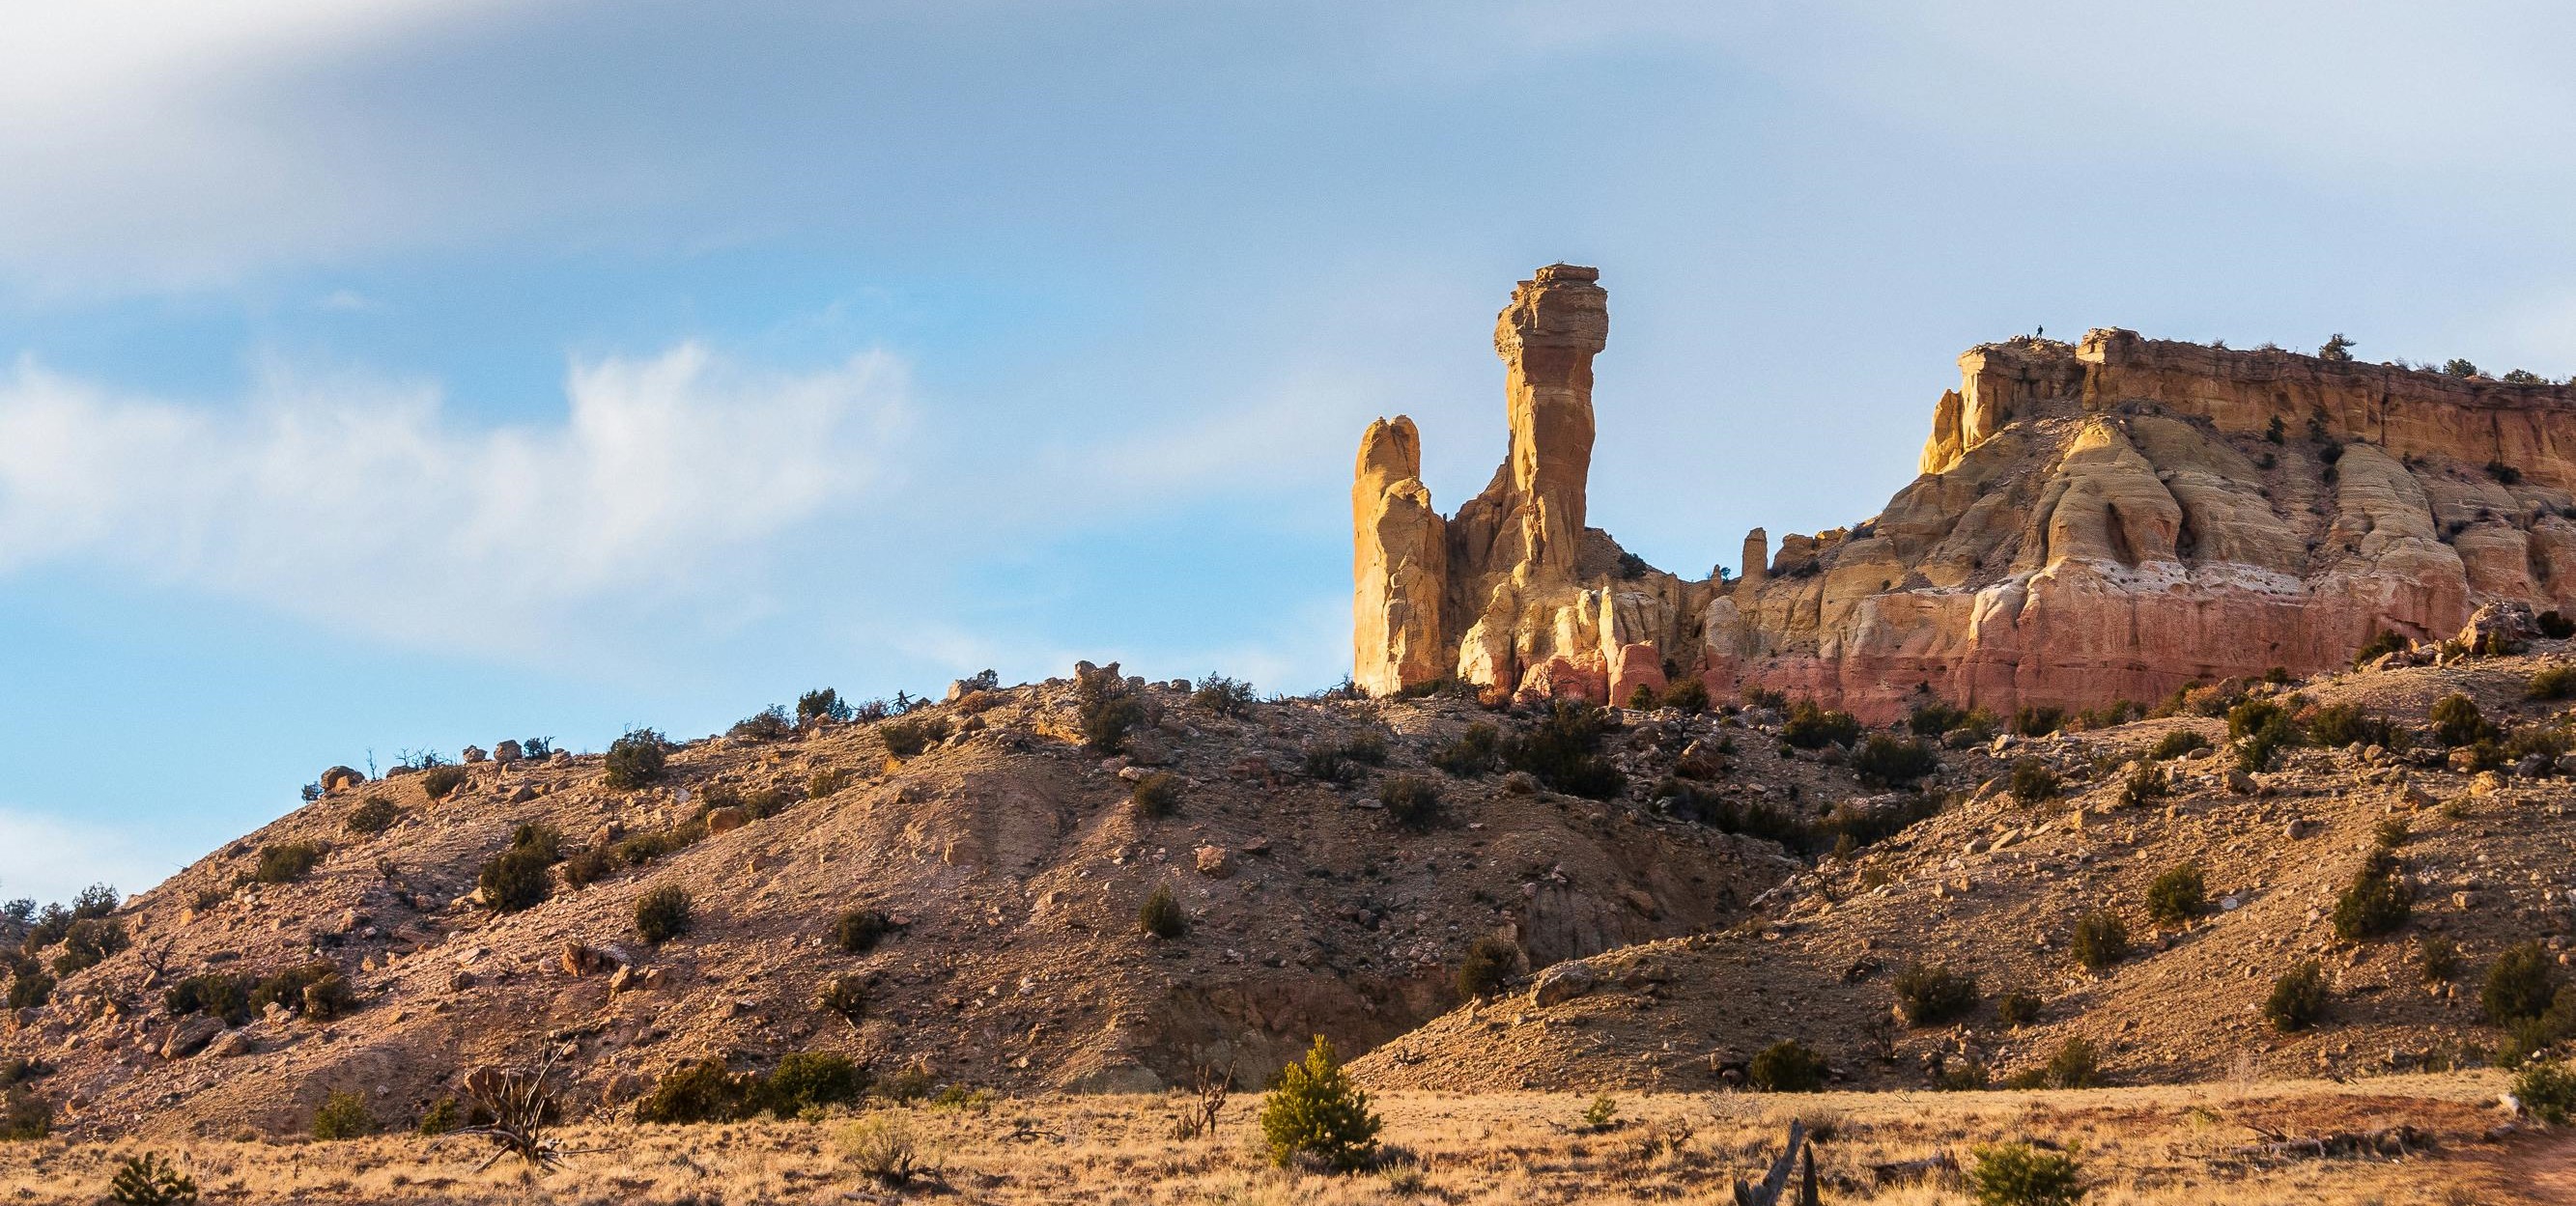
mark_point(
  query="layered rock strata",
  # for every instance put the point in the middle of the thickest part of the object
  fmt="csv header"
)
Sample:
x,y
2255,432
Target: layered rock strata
x,y
2096,521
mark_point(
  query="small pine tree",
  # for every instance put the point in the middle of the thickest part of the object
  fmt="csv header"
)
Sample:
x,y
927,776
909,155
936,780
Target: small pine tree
x,y
2017,1174
149,1180
343,1115
2298,998
1317,1111
1161,914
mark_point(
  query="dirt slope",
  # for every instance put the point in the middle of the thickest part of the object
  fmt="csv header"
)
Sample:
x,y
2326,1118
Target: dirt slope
x,y
1013,856
1993,888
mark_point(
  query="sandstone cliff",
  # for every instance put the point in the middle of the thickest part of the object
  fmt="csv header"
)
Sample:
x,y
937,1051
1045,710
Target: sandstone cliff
x,y
2097,521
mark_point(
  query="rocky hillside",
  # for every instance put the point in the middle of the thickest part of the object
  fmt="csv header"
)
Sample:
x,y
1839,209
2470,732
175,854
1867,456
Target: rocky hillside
x,y
1009,862
1996,889
2104,520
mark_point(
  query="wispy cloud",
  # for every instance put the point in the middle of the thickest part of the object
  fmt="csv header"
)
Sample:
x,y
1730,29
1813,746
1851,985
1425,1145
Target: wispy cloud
x,y
49,857
362,503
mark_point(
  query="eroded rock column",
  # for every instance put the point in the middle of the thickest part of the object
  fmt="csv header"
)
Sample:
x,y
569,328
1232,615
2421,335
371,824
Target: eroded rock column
x,y
1556,322
1399,563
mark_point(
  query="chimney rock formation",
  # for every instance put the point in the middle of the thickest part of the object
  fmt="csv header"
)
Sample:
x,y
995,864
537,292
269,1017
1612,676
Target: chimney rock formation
x,y
2093,522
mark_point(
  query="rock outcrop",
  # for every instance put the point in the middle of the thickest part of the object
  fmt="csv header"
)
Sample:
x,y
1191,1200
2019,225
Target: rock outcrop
x,y
2098,521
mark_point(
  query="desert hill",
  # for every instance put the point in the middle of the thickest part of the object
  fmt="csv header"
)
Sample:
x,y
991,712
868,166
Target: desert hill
x,y
2105,520
1994,889
1009,861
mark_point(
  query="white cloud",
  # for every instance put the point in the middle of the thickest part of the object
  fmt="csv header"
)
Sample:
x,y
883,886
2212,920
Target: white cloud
x,y
362,503
49,858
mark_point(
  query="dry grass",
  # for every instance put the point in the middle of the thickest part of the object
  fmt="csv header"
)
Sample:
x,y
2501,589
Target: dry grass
x,y
2159,1146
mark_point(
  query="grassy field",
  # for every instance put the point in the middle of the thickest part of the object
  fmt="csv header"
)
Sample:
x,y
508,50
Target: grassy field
x,y
2150,1145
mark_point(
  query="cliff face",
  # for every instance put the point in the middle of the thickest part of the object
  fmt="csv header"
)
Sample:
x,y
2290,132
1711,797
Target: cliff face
x,y
2098,521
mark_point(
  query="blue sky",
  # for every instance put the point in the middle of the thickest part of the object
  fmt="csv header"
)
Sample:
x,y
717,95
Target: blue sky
x,y
403,374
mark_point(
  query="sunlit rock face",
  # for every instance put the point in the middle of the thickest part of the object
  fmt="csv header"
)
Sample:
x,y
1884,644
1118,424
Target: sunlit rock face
x,y
2098,521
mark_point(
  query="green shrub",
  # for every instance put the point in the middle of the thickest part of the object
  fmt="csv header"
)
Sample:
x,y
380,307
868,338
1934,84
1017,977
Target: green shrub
x,y
2553,682
1106,711
2298,998
372,816
1475,752
29,986
635,850
2346,724
845,996
768,724
1157,795
2391,833
1688,694
1161,915
343,1115
289,989
24,1116
1810,727
1558,750
1322,762
2457,721
538,838
2385,642
635,759
859,930
2018,1009
224,995
812,1080
1929,993
2177,896
2548,1090
2101,940
2261,728
442,781
1366,747
330,997
698,1092
515,879
1412,802
149,1180
1934,718
2032,781
662,914
2074,1065
2520,984
2145,782
824,704
2038,721
442,1116
1885,761
588,866
906,738
2177,743
1223,696
1787,1066
1489,964
2376,902
287,863
2017,1174
2437,959
88,943
1317,1112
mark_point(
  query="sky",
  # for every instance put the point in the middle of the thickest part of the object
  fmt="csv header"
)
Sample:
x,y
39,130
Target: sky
x,y
392,375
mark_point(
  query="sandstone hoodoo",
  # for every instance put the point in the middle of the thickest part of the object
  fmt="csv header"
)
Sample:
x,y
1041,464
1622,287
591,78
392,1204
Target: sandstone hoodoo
x,y
2105,520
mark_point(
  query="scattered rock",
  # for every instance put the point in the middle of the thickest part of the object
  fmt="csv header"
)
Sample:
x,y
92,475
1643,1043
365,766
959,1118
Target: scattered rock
x,y
1563,982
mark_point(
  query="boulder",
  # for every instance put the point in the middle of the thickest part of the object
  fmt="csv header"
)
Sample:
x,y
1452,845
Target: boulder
x,y
474,753
341,778
232,1043
507,751
191,1036
1563,982
726,820
1215,862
